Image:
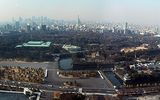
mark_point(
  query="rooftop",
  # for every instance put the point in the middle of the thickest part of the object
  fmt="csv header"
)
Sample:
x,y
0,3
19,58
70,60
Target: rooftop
x,y
71,48
35,44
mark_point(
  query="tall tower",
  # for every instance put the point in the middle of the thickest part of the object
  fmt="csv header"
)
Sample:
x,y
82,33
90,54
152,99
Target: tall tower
x,y
13,20
157,30
79,21
125,28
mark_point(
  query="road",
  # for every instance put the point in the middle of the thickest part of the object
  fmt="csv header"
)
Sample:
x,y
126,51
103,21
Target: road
x,y
48,87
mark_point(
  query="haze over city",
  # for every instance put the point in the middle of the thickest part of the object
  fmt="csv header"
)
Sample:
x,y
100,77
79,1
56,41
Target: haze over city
x,y
79,50
132,11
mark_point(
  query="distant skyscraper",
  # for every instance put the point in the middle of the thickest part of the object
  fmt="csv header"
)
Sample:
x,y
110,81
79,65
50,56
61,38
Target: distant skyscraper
x,y
33,18
44,27
28,28
157,30
79,21
20,19
17,25
8,27
125,28
13,20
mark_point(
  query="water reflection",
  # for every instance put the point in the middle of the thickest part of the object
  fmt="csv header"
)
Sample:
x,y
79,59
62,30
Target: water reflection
x,y
66,64
112,77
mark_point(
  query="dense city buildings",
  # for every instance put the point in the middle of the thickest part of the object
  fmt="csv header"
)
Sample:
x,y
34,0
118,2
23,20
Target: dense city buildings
x,y
64,59
107,52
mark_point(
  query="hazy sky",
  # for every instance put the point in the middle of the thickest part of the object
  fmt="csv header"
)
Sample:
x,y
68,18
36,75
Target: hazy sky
x,y
134,11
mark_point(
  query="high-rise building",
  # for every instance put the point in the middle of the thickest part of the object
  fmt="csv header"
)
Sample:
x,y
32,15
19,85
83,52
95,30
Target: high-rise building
x,y
17,25
28,28
8,27
157,30
20,20
13,20
43,27
79,21
125,28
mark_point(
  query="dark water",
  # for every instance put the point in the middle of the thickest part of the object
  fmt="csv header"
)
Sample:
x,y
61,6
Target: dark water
x,y
112,77
66,64
12,96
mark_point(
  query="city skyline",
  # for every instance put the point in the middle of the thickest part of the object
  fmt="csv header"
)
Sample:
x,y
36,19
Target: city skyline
x,y
132,11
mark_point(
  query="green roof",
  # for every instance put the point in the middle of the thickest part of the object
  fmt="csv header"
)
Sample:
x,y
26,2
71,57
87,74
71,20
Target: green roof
x,y
35,44
18,46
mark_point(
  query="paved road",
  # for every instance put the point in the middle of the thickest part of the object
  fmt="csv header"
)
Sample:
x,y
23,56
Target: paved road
x,y
47,87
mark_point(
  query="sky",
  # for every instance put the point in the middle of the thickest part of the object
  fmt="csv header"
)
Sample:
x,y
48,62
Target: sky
x,y
132,11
